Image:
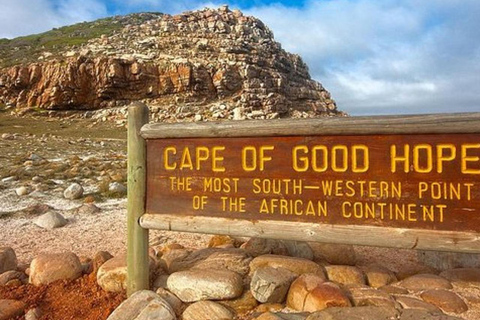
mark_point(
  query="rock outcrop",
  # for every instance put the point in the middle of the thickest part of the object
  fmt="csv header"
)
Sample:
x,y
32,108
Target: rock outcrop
x,y
185,62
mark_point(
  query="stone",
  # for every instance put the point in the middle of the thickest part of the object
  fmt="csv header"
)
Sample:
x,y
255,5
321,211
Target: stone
x,y
8,278
231,259
99,259
8,259
10,309
49,267
172,300
160,281
393,289
220,240
74,191
7,136
378,276
463,276
117,188
311,293
282,316
366,296
270,285
87,209
417,314
413,303
112,275
358,313
50,220
446,300
298,249
243,304
421,282
207,310
295,265
205,284
33,314
260,246
21,191
449,260
143,305
339,254
239,113
345,274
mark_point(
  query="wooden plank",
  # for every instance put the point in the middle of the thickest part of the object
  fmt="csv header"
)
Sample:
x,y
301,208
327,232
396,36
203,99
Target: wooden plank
x,y
300,231
426,182
137,237
408,124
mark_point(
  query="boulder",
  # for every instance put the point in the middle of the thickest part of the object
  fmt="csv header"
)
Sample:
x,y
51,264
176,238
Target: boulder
x,y
8,259
332,253
49,267
446,300
143,305
293,264
13,277
311,293
231,259
463,276
421,282
74,191
205,284
449,260
378,276
366,296
50,220
112,275
418,314
345,274
414,303
270,285
207,310
358,313
260,246
243,304
10,309
172,299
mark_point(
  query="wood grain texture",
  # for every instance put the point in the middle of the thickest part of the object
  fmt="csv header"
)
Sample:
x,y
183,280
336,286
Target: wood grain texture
x,y
345,234
406,124
137,237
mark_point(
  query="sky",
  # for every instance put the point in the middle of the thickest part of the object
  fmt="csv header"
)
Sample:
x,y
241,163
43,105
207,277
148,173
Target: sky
x,y
374,56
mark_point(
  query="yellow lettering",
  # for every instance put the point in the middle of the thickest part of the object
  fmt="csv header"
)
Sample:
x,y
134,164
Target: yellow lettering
x,y
416,158
166,162
466,158
441,157
395,158
217,159
303,165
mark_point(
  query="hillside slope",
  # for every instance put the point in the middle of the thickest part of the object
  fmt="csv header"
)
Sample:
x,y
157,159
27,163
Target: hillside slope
x,y
186,63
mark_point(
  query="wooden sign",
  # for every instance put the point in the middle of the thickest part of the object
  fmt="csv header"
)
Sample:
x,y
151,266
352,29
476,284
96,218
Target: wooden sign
x,y
405,181
401,181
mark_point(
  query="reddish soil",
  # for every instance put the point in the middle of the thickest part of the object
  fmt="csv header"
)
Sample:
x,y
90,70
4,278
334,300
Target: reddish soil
x,y
66,300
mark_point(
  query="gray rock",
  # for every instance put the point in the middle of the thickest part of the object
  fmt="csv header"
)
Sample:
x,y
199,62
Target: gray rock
x,y
340,254
9,276
415,314
210,258
172,299
33,314
50,220
298,249
143,305
10,309
74,191
117,187
270,285
46,268
21,191
87,209
8,259
449,260
421,282
294,264
207,310
358,313
205,284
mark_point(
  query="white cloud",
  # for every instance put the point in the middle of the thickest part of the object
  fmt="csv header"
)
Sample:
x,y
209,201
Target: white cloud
x,y
393,56
23,17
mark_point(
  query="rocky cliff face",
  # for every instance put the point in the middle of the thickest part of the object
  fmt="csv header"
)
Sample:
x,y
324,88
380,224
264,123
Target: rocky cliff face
x,y
189,62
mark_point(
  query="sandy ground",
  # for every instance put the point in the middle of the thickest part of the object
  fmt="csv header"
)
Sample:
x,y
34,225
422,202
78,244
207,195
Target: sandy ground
x,y
87,234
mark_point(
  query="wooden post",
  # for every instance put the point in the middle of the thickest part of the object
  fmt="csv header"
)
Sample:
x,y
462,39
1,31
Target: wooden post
x,y
137,241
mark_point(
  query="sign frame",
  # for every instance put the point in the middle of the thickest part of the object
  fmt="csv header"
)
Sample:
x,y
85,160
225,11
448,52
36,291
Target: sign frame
x,y
139,222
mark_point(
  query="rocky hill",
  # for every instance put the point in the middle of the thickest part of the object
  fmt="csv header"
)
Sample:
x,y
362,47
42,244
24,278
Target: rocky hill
x,y
206,64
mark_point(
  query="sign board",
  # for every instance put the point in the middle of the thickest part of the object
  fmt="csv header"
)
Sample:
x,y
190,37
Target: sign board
x,y
401,181
424,181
